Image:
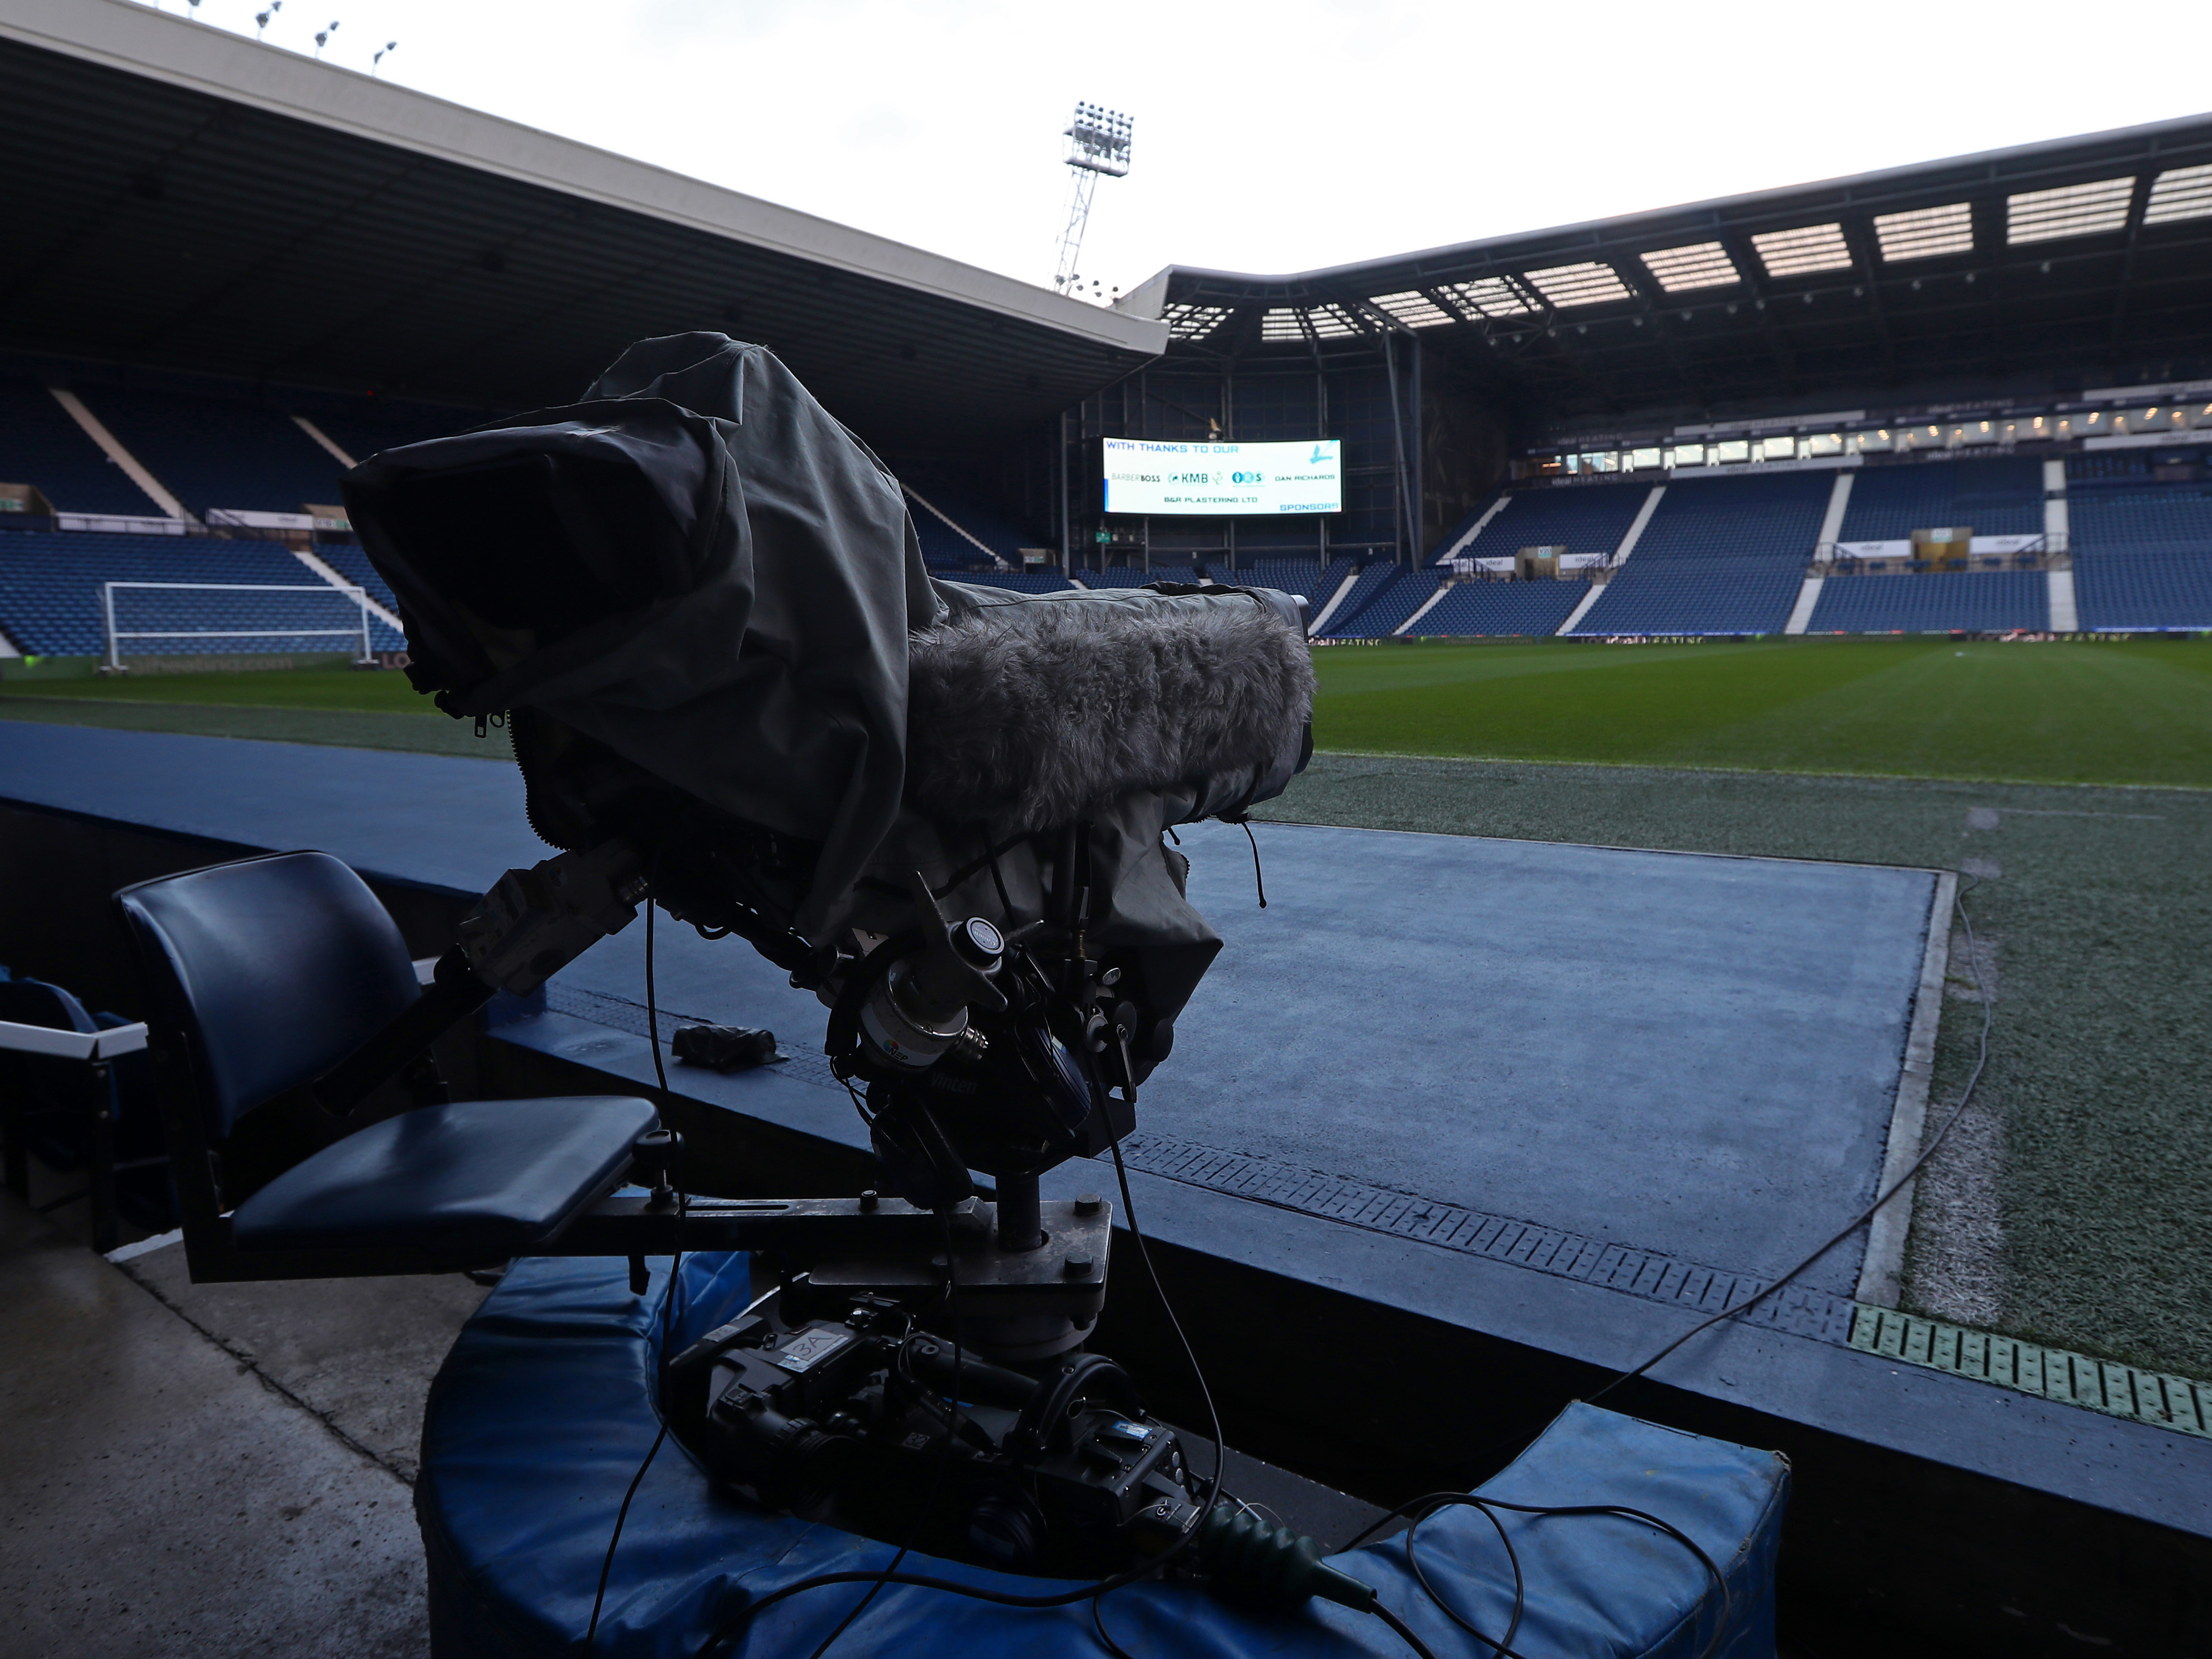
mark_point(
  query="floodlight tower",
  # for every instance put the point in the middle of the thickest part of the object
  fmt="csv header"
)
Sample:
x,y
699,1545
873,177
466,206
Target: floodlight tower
x,y
1098,142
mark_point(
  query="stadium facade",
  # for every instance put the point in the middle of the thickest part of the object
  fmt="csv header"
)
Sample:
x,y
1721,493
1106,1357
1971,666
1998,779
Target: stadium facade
x,y
1970,395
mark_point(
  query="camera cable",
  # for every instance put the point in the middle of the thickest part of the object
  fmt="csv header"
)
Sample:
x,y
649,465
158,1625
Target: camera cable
x,y
1911,1170
667,1294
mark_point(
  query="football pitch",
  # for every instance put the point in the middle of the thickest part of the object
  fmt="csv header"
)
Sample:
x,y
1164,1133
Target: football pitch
x,y
2072,782
2131,712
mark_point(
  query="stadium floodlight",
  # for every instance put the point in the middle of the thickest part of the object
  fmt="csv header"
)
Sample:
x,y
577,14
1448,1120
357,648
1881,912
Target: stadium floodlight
x,y
261,18
322,37
377,62
1098,143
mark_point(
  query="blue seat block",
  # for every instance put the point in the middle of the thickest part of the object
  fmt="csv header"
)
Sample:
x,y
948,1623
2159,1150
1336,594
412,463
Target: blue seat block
x,y
485,1179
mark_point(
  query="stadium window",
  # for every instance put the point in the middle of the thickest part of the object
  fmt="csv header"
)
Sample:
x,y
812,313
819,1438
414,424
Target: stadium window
x,y
1685,455
1777,449
1863,443
1412,308
1281,324
1700,265
1488,296
1643,460
1734,449
2179,193
2090,209
1585,283
1801,252
1824,443
1925,232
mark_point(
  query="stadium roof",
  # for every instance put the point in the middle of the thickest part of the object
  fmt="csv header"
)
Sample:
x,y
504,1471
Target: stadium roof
x,y
2082,258
182,196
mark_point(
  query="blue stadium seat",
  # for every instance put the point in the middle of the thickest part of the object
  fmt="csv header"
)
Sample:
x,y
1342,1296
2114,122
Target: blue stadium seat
x,y
2136,593
1999,496
1720,556
1402,593
364,427
50,595
1582,518
1018,581
1370,582
943,546
40,444
216,452
1934,602
1482,610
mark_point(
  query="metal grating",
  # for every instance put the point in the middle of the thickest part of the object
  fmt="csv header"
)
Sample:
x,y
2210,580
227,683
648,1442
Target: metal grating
x,y
1700,264
1926,232
1488,296
1189,322
1413,309
1798,252
2090,209
1281,324
1642,1274
2180,193
1586,283
2072,1379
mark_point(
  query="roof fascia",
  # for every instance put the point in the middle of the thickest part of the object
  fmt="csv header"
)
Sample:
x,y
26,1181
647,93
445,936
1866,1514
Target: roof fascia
x,y
138,40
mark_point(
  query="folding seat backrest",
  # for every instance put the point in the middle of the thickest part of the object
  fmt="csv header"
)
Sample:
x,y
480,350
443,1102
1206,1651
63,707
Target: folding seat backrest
x,y
271,970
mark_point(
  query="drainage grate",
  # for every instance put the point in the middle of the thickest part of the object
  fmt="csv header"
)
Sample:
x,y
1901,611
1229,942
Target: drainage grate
x,y
2072,1379
1644,1274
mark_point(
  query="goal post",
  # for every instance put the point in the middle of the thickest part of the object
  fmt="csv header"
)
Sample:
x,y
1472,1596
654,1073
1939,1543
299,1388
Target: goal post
x,y
356,629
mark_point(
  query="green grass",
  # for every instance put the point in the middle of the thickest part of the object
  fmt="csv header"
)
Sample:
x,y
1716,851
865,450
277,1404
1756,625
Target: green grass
x,y
2083,712
380,692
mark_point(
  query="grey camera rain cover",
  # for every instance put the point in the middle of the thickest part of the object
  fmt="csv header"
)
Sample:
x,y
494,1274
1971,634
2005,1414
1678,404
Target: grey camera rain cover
x,y
726,590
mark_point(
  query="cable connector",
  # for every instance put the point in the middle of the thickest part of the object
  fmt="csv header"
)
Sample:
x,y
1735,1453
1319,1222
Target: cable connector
x,y
1246,1555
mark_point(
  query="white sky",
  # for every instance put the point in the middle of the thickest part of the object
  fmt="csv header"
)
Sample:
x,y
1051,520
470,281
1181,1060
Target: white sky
x,y
1273,137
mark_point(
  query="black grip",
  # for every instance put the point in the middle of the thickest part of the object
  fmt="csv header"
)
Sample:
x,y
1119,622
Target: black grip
x,y
455,994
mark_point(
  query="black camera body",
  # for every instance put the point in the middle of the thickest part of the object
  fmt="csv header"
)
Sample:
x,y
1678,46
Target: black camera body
x,y
852,1420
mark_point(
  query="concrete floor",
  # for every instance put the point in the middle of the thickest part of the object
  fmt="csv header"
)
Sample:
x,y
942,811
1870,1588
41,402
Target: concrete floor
x,y
208,1470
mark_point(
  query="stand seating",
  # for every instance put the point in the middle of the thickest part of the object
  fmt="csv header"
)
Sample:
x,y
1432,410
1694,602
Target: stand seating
x,y
258,977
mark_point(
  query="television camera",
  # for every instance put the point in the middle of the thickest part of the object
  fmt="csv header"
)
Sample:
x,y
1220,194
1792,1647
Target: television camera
x,y
734,692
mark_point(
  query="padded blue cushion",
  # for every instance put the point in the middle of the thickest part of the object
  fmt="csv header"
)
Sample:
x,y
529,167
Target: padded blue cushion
x,y
278,967
482,1180
545,1409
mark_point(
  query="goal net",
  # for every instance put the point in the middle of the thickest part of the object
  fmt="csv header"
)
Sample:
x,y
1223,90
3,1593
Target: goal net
x,y
169,617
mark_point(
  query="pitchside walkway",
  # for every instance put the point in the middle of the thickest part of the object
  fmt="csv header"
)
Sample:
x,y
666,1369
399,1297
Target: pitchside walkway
x,y
1505,1117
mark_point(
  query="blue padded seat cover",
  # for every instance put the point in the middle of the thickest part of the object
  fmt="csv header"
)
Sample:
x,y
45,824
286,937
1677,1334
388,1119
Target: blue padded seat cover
x,y
277,968
545,1409
482,1179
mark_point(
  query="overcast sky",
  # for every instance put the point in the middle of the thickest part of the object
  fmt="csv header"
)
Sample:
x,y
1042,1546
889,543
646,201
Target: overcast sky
x,y
1273,137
